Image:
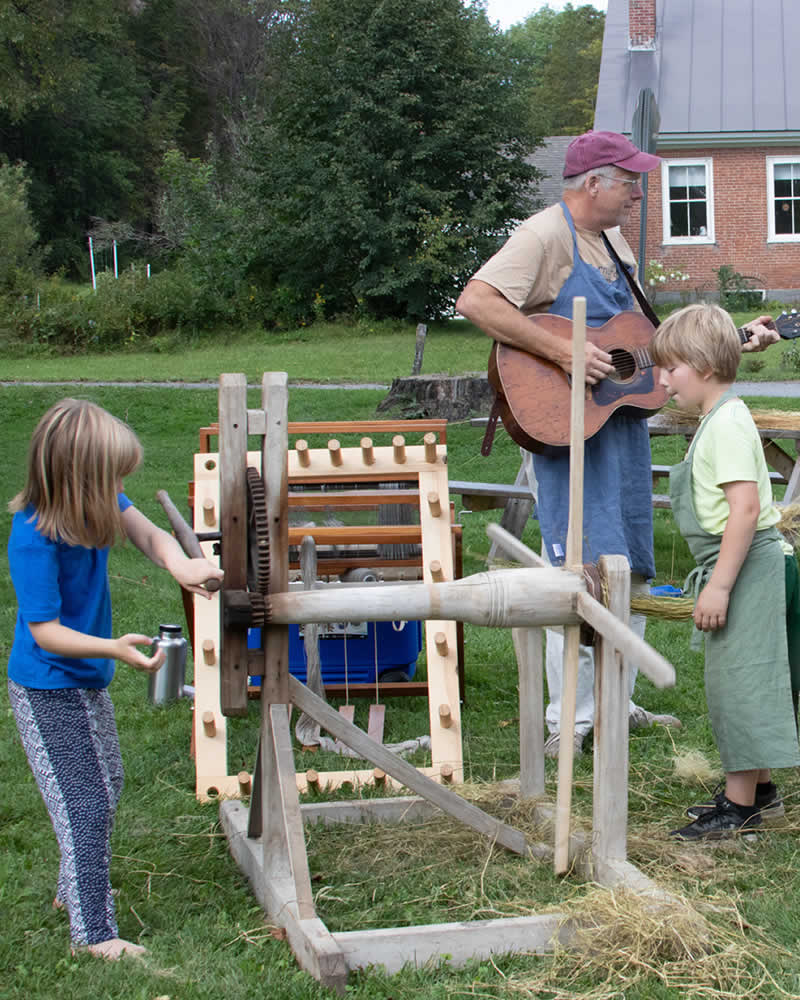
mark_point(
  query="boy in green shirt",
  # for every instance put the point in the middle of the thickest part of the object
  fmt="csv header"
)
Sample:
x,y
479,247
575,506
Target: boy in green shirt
x,y
722,503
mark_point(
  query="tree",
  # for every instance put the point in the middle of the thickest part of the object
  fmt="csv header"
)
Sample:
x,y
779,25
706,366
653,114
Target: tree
x,y
394,158
17,260
557,60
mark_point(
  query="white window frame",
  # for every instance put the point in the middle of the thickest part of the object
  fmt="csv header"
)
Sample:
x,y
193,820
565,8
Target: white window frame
x,y
772,236
666,215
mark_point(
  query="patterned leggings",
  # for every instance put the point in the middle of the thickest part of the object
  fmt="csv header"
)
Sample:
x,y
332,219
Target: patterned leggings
x,y
70,738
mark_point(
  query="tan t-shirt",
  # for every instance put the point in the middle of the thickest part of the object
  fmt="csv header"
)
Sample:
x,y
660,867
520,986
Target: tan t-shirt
x,y
532,266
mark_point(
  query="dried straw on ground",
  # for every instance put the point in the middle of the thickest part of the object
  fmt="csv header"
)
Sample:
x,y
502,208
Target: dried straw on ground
x,y
625,939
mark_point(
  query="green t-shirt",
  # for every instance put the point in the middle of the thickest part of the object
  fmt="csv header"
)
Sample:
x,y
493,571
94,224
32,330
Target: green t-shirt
x,y
728,451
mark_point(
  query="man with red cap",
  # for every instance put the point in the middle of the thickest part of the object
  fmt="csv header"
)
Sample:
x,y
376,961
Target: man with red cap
x,y
550,258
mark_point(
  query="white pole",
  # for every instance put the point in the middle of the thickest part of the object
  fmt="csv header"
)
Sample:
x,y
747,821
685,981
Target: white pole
x,y
148,272
115,259
91,264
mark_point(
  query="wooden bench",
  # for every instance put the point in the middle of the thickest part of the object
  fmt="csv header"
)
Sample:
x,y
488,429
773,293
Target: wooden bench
x,y
660,471
488,496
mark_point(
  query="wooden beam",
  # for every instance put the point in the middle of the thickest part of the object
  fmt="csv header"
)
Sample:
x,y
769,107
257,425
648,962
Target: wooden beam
x,y
233,523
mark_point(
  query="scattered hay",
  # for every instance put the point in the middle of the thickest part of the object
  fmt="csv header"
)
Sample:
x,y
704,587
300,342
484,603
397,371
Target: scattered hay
x,y
789,524
788,420
624,939
693,766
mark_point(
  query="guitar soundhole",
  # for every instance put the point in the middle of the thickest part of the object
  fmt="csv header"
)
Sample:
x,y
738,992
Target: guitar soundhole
x,y
624,365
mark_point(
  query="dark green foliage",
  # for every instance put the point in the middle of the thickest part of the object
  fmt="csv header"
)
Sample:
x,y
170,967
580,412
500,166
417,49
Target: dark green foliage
x,y
17,258
557,63
394,156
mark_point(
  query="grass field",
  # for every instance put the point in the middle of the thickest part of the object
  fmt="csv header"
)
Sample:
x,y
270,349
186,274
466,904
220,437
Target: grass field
x,y
367,352
182,896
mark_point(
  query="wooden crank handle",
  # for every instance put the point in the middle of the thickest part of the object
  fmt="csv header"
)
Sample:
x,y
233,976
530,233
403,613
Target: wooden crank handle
x,y
186,537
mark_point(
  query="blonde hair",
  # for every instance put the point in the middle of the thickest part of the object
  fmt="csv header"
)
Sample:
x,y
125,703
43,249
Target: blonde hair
x,y
78,454
703,336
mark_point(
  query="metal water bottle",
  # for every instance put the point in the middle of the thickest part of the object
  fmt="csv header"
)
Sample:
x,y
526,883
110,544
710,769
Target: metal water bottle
x,y
167,682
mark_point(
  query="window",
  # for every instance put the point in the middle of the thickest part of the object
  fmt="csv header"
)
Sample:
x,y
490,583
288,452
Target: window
x,y
688,201
783,198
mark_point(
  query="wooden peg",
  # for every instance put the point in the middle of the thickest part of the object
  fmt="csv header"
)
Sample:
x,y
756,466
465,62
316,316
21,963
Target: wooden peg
x,y
436,570
367,452
335,451
303,454
434,504
378,776
440,641
312,779
399,445
445,716
244,782
446,773
209,513
430,447
209,724
209,652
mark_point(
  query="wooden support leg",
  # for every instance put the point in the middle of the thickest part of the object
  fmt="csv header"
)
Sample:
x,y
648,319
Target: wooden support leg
x,y
284,841
610,820
528,647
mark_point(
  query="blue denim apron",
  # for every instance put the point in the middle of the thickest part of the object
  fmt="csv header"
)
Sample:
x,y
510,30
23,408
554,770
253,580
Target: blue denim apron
x,y
617,484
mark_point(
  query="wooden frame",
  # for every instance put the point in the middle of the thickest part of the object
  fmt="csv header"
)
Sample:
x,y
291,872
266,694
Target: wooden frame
x,y
423,466
269,843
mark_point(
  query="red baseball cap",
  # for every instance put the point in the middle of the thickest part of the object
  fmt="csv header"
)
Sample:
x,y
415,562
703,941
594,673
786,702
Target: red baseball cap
x,y
602,149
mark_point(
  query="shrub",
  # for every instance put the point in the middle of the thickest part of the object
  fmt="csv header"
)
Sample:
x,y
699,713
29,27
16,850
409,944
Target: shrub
x,y
736,292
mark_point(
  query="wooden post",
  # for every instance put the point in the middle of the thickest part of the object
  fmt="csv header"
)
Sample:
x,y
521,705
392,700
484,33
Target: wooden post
x,y
419,348
233,522
574,562
610,821
528,647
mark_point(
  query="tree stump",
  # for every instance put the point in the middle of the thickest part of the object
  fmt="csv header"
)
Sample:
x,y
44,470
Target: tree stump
x,y
453,397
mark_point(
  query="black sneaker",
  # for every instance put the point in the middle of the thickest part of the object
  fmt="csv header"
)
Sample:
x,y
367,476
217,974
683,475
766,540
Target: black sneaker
x,y
724,820
769,803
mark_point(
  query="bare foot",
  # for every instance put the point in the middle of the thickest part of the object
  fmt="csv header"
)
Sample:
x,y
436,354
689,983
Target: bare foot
x,y
113,949
58,905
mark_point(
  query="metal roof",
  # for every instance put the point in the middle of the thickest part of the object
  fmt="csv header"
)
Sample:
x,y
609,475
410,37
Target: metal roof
x,y
719,68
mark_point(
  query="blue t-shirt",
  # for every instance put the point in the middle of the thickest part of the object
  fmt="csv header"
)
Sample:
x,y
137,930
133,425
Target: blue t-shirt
x,y
56,580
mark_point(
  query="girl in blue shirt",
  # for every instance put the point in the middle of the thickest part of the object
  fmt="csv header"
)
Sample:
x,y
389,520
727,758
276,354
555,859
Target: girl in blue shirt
x,y
71,510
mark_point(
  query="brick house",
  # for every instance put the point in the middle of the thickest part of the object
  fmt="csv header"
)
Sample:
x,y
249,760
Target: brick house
x,y
728,93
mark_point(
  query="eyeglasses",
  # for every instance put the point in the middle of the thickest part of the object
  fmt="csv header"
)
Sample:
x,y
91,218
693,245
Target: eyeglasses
x,y
621,180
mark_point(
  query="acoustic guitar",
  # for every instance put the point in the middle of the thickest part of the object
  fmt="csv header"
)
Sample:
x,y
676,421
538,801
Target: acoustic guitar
x,y
533,394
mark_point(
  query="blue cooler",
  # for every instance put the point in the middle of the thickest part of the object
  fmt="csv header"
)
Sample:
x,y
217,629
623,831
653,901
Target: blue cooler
x,y
394,645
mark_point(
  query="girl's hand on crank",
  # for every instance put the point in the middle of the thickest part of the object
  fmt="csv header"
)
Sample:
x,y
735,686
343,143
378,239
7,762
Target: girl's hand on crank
x,y
126,650
192,574
711,610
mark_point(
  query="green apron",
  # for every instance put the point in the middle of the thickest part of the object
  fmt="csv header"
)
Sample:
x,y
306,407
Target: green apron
x,y
747,681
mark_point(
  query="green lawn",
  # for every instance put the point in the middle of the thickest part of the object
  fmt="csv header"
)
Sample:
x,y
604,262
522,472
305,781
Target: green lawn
x,y
367,352
181,894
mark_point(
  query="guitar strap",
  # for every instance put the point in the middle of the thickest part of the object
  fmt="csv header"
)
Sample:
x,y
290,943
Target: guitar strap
x,y
639,295
647,309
